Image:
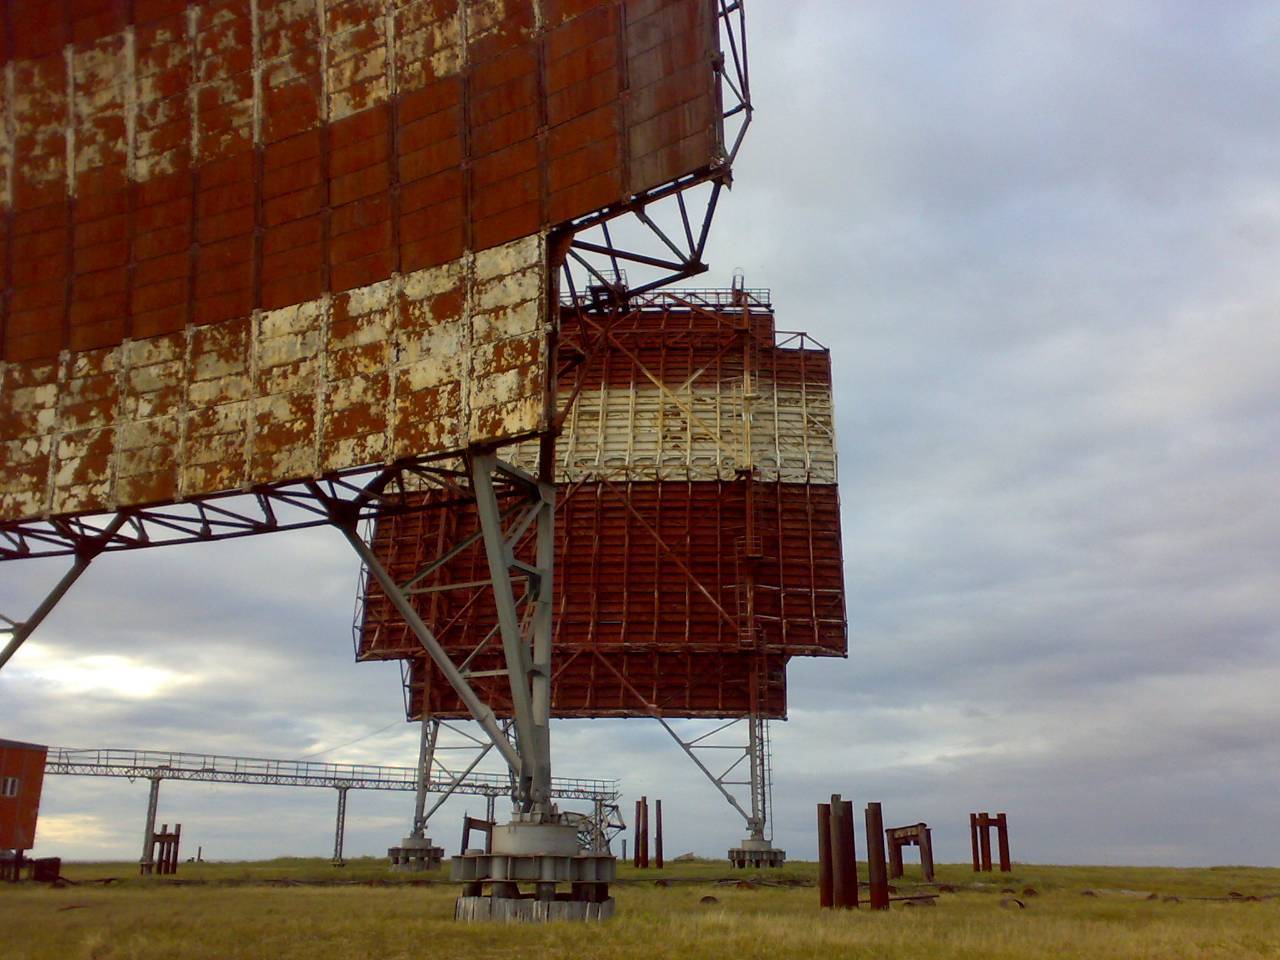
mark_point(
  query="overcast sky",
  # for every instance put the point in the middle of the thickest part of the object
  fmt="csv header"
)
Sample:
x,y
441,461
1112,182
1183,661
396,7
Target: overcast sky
x,y
1041,240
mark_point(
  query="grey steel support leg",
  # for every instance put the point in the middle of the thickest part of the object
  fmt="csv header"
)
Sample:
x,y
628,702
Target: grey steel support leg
x,y
538,845
146,863
755,747
757,848
598,843
426,757
543,611
340,827
528,672
719,782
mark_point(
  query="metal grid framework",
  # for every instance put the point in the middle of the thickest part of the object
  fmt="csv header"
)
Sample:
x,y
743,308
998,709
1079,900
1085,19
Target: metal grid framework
x,y
591,683
645,565
688,570
143,396
331,229
165,765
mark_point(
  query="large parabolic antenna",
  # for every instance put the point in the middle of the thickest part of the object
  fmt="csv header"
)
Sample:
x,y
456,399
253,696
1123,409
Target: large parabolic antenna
x,y
278,263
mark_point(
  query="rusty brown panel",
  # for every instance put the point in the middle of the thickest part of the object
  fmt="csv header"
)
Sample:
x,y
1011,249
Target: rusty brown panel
x,y
662,565
204,190
630,684
673,121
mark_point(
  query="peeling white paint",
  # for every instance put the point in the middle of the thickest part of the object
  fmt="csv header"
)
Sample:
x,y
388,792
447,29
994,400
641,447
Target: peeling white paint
x,y
289,395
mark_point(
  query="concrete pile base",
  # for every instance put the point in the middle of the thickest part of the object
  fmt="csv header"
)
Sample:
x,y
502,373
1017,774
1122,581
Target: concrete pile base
x,y
756,853
540,855
529,910
415,854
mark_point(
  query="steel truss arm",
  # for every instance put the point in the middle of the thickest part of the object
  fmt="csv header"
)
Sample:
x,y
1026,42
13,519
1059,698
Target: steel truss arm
x,y
756,754
367,492
87,549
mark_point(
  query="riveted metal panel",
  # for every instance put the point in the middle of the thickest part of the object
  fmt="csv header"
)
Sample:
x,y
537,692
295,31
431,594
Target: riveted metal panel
x,y
666,566
252,241
630,684
697,527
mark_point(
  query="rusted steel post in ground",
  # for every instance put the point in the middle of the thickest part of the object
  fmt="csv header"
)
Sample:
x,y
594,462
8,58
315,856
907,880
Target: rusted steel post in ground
x,y
894,849
850,850
147,862
973,842
644,833
916,834
980,825
844,867
984,839
173,850
635,840
824,855
657,834
1002,837
876,878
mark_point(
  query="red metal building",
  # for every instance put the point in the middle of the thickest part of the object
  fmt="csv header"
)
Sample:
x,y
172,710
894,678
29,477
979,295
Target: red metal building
x,y
21,779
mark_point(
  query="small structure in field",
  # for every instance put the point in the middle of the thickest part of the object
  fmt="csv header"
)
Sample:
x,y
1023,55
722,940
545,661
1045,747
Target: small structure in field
x,y
915,835
21,780
980,825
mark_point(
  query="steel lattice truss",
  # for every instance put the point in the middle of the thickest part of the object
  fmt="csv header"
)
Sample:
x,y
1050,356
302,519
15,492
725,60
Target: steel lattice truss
x,y
211,768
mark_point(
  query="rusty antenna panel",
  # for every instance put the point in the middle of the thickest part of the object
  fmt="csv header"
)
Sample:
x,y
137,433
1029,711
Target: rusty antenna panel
x,y
254,242
274,263
265,261
697,543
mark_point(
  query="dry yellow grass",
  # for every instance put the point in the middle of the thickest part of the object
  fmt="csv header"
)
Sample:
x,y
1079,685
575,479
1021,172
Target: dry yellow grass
x,y
240,911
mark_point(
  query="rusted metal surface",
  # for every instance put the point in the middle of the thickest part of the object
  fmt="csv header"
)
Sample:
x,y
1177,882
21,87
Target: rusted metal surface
x,y
877,876
163,858
658,565
841,871
915,835
407,366
21,781
980,827
825,896
621,684
697,515
657,834
253,241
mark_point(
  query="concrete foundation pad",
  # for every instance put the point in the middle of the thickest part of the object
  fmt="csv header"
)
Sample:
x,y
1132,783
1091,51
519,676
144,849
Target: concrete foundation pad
x,y
475,867
756,855
529,910
415,854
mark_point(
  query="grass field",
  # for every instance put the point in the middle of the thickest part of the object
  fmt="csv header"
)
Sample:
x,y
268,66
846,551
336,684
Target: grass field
x,y
308,909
